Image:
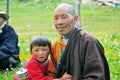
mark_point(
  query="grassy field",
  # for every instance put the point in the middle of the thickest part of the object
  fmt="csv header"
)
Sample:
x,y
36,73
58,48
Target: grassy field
x,y
30,19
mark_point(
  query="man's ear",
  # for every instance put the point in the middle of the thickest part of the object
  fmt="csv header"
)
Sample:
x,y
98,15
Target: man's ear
x,y
75,18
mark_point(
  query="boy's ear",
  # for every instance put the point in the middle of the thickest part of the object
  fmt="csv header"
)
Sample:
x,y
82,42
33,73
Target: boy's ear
x,y
50,52
30,52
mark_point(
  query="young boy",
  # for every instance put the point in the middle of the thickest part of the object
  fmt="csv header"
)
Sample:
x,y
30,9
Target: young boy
x,y
37,66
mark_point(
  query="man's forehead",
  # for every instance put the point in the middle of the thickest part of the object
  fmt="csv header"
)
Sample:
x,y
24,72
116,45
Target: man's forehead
x,y
64,9
61,10
63,15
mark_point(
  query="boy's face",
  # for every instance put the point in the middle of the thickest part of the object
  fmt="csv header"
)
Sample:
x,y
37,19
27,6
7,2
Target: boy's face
x,y
40,53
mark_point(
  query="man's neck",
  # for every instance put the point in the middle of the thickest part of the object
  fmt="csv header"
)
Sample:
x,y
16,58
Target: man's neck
x,y
69,34
65,38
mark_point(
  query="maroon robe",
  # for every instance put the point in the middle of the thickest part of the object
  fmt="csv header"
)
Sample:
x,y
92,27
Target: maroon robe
x,y
84,58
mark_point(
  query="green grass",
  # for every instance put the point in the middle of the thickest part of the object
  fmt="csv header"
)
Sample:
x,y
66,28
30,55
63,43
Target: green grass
x,y
38,16
31,18
101,19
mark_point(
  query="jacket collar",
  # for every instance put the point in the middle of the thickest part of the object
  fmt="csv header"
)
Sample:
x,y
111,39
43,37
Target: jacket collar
x,y
1,28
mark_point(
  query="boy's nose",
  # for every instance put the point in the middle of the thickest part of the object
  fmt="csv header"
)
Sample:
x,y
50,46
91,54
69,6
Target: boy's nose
x,y
40,52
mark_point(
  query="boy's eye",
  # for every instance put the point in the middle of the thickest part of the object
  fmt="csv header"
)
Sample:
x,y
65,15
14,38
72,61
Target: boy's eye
x,y
44,49
36,50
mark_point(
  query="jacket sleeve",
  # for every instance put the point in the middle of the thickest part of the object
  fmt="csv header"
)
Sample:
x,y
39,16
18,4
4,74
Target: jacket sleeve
x,y
35,72
9,45
96,66
15,77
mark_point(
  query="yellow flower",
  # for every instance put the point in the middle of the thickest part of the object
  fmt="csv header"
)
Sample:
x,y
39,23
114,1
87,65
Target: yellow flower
x,y
99,34
109,51
113,57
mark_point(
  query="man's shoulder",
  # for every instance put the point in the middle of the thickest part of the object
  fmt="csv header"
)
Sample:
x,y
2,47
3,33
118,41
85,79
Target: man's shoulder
x,y
8,27
87,35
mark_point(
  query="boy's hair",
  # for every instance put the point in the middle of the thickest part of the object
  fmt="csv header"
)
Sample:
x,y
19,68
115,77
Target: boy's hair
x,y
40,41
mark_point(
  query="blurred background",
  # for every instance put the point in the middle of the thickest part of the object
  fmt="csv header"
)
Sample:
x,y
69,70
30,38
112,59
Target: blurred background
x,y
29,18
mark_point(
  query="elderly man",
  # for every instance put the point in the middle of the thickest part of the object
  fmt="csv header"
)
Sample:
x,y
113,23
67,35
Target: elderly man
x,y
9,50
76,52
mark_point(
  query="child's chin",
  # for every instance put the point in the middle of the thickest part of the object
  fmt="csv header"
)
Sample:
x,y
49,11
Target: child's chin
x,y
41,60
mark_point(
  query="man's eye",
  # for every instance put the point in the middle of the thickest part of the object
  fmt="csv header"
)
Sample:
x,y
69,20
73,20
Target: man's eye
x,y
55,18
64,17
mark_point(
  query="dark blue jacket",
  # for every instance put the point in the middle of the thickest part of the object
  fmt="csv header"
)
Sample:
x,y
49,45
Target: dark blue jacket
x,y
8,45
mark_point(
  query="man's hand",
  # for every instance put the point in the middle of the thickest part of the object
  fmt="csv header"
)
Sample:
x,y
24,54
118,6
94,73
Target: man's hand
x,y
66,77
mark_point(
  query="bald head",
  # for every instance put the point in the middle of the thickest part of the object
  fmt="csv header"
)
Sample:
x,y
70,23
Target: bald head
x,y
69,8
65,19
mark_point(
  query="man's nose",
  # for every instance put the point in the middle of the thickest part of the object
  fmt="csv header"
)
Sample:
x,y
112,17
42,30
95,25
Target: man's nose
x,y
60,20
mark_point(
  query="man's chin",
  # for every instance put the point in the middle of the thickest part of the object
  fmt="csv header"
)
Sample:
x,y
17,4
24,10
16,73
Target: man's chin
x,y
61,33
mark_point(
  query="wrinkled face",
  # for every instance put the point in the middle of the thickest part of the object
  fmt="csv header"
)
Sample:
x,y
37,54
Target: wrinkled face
x,y
63,21
40,53
1,21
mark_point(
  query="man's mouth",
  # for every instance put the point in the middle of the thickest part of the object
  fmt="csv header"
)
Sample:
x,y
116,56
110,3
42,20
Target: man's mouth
x,y
61,28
